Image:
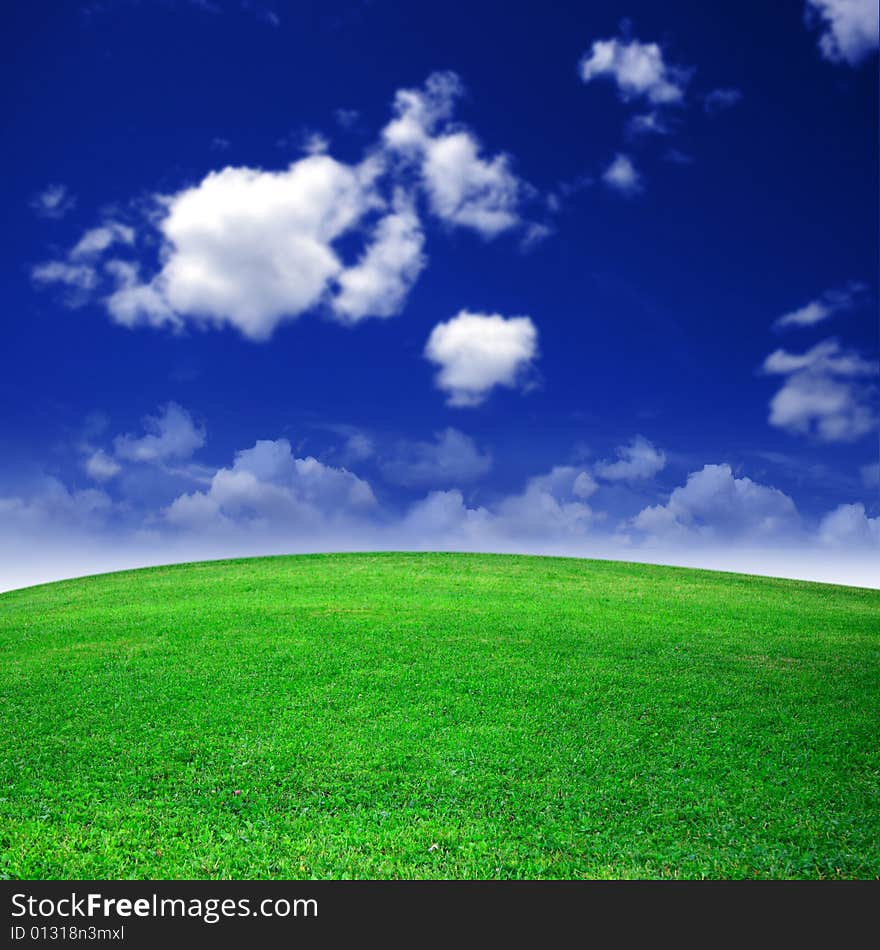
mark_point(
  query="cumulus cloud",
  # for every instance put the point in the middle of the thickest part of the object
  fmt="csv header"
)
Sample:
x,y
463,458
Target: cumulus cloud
x,y
849,526
135,303
251,248
638,69
551,506
550,511
442,519
824,394
849,28
476,352
453,458
463,188
268,488
715,504
637,460
170,435
101,467
621,175
51,505
378,285
268,500
824,306
53,202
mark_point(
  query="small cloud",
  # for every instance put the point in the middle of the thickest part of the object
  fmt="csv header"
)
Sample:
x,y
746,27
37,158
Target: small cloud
x,y
636,461
219,144
621,175
54,201
171,434
850,29
101,467
316,144
81,277
824,306
824,395
96,240
849,526
464,189
534,234
720,99
638,69
714,504
379,283
476,352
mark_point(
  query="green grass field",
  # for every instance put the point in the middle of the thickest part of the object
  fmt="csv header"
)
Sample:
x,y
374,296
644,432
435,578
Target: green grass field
x,y
438,715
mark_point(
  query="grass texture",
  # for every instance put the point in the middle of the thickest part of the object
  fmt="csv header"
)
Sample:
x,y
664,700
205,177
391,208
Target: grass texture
x,y
438,716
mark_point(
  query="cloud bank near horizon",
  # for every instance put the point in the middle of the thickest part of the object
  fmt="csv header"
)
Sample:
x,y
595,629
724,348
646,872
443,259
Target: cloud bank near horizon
x,y
270,499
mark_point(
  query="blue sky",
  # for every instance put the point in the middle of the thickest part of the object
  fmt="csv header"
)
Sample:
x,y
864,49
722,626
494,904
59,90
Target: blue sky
x,y
586,278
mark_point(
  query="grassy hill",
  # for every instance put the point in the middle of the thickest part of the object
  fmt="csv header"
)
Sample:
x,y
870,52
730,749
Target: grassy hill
x,y
438,715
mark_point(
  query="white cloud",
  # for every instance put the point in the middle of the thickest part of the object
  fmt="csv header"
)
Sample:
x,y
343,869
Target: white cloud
x,y
251,248
53,202
463,188
97,240
468,191
451,459
267,488
713,504
101,467
267,501
443,520
133,302
550,511
848,526
822,395
552,507
476,352
621,175
51,505
640,459
637,68
81,277
851,28
170,435
825,306
78,271
419,111
378,285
